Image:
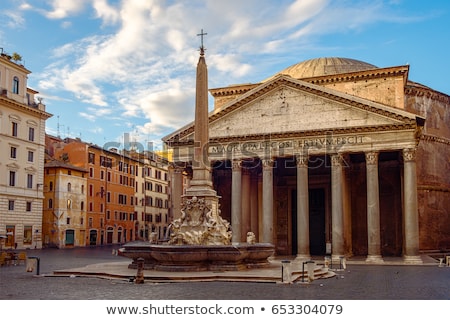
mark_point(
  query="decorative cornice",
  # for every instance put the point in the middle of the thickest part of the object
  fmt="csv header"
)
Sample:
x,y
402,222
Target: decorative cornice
x,y
417,90
305,87
433,188
23,107
299,134
431,138
360,75
233,90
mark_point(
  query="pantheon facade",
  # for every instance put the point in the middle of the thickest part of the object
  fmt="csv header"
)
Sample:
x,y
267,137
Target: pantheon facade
x,y
329,156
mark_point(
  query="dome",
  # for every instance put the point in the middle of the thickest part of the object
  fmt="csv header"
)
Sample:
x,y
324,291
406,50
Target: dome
x,y
324,67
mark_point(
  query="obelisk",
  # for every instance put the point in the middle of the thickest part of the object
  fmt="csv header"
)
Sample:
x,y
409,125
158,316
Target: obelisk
x,y
200,222
201,183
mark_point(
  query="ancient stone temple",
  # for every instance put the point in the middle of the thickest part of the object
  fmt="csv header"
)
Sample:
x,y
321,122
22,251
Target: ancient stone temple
x,y
329,156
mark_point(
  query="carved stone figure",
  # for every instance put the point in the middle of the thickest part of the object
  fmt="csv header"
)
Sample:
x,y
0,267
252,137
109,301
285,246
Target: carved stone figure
x,y
251,238
197,225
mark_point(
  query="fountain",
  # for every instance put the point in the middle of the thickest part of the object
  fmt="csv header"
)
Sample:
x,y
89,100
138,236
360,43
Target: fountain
x,y
200,239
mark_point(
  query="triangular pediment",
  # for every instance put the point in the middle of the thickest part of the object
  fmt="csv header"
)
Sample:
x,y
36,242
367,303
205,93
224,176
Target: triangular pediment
x,y
285,105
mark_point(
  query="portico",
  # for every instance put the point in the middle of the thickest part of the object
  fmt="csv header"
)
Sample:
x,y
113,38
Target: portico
x,y
313,170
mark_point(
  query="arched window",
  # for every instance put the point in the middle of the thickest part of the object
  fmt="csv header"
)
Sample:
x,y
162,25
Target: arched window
x,y
15,87
69,187
50,203
51,186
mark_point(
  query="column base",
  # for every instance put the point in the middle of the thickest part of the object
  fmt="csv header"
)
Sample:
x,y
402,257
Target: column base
x,y
374,258
412,259
302,257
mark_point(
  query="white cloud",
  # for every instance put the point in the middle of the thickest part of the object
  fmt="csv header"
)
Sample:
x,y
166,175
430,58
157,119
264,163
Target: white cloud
x,y
63,8
104,11
145,66
14,19
87,116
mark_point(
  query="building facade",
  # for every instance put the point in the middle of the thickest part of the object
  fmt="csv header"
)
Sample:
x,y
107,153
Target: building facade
x,y
330,156
152,194
64,211
22,135
125,192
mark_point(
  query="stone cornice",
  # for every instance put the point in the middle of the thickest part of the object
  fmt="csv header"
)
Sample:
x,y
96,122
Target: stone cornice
x,y
423,187
299,134
399,115
418,90
325,79
233,90
360,75
24,108
431,138
19,67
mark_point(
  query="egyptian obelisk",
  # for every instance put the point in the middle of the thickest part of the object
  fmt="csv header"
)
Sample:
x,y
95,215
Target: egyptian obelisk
x,y
200,222
201,183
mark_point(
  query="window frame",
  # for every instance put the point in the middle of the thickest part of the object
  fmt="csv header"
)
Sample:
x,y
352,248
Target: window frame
x,y
15,85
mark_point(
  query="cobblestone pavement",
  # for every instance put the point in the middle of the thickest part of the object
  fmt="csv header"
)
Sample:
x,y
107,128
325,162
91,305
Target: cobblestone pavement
x,y
357,282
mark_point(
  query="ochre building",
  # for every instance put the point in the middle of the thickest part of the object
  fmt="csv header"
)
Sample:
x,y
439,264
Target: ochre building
x,y
330,156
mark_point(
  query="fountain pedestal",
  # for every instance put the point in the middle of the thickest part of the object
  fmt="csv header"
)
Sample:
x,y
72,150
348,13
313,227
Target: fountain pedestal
x,y
167,257
199,241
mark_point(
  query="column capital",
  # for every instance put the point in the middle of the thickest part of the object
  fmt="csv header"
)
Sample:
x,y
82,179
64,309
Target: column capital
x,y
236,164
336,160
301,160
372,157
267,164
409,155
177,169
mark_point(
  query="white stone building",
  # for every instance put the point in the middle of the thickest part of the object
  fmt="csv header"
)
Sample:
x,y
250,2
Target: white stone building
x,y
22,141
330,156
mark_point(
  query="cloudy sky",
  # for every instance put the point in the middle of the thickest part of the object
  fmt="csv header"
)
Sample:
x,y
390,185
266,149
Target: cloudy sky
x,y
106,68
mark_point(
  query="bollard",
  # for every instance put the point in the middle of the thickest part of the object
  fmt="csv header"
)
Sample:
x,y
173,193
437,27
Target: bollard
x,y
342,263
308,268
140,271
311,267
285,271
30,267
327,260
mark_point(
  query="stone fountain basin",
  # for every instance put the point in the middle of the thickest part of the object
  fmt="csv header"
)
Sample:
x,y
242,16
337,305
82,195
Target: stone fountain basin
x,y
165,257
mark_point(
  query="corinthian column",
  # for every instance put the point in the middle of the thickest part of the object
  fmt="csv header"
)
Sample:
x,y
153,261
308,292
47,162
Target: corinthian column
x,y
411,215
236,199
337,220
267,222
373,209
303,252
245,211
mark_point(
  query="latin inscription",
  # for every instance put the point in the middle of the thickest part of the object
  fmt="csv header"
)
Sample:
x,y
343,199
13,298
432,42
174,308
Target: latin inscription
x,y
316,143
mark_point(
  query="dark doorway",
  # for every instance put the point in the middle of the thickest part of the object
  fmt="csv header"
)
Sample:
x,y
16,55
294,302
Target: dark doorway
x,y
70,237
317,221
92,237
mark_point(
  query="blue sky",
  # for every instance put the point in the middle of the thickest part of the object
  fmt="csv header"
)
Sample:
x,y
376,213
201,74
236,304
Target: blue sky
x,y
106,68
